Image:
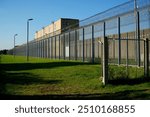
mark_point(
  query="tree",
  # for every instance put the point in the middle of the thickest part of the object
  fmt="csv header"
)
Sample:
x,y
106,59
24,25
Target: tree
x,y
3,51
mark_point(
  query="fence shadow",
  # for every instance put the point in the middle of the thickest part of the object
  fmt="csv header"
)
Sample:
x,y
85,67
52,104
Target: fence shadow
x,y
22,78
27,78
128,81
29,66
122,95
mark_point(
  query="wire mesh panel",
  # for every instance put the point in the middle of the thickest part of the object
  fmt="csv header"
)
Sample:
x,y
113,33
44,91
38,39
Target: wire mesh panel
x,y
98,35
129,66
62,46
41,48
57,47
67,46
50,48
132,54
125,26
142,52
124,51
42,45
46,48
111,27
30,48
80,44
33,49
73,43
88,43
38,48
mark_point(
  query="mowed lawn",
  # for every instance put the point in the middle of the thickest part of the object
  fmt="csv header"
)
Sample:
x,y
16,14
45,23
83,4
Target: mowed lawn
x,y
59,79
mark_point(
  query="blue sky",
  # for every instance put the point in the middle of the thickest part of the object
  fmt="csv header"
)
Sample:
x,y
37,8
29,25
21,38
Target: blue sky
x,y
14,15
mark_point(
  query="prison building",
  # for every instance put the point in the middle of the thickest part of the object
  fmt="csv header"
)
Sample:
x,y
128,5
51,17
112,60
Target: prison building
x,y
55,28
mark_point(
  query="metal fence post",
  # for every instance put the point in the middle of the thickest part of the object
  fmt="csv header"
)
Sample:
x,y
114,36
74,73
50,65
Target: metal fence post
x,y
119,42
50,52
138,38
102,57
30,48
93,54
55,46
127,54
105,60
46,48
104,35
64,48
104,29
51,47
43,47
36,48
69,45
59,45
146,57
83,45
39,47
75,44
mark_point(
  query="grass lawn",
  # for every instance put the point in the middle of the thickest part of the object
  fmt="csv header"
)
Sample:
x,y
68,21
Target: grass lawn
x,y
59,79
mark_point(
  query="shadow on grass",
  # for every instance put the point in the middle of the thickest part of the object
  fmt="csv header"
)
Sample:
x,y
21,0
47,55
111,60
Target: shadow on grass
x,y
26,78
22,78
128,81
29,66
122,95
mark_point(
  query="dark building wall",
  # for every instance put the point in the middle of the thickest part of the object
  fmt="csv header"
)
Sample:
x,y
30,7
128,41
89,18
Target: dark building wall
x,y
69,24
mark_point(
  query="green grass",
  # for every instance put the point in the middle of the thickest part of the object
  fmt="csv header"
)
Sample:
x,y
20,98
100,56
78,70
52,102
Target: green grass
x,y
59,79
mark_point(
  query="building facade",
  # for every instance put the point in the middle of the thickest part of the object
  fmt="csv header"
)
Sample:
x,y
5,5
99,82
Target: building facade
x,y
57,27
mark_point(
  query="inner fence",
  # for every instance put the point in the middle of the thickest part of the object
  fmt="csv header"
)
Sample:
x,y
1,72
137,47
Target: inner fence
x,y
129,61
126,25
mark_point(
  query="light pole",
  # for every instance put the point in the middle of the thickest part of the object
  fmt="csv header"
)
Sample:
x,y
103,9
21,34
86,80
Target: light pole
x,y
14,43
28,38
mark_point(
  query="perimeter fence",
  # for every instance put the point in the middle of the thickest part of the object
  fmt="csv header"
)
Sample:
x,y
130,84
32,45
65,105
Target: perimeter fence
x,y
126,25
